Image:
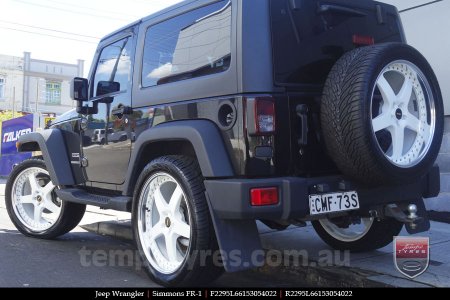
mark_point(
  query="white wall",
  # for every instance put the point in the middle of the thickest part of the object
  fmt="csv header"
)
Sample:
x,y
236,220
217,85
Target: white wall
x,y
37,89
11,69
57,69
28,78
37,73
427,29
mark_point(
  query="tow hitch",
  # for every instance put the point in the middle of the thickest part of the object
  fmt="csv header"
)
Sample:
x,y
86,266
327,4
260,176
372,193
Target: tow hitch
x,y
415,218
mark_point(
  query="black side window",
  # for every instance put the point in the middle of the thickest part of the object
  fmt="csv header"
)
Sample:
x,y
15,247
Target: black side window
x,y
191,45
114,64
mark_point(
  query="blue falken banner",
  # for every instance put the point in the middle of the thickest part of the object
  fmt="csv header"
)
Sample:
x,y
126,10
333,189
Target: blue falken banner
x,y
11,131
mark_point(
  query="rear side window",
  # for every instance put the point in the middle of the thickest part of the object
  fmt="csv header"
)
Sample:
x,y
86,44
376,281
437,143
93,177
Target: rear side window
x,y
191,45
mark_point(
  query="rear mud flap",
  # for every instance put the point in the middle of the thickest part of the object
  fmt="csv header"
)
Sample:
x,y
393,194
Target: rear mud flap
x,y
239,243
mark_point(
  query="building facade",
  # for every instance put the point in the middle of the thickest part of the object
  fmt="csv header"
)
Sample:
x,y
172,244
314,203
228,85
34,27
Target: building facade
x,y
11,83
30,85
426,23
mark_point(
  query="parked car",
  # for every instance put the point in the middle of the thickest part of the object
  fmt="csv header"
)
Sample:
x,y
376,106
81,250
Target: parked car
x,y
98,136
284,111
112,136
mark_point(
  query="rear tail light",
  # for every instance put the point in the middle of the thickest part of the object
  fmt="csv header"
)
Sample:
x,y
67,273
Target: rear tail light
x,y
264,116
264,196
260,116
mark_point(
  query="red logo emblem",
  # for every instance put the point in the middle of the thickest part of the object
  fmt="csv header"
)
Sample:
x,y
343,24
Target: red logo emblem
x,y
411,255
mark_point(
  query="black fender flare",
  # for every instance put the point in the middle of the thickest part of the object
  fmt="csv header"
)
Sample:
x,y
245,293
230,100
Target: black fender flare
x,y
51,143
205,138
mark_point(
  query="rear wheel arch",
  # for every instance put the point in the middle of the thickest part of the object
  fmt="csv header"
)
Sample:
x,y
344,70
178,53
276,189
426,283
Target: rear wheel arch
x,y
155,149
199,139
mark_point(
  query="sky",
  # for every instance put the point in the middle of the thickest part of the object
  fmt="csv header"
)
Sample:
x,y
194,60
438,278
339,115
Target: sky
x,y
66,30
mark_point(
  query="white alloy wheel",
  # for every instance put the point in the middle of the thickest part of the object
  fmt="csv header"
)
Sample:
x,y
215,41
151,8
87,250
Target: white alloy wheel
x,y
33,199
382,115
352,233
403,113
172,223
164,223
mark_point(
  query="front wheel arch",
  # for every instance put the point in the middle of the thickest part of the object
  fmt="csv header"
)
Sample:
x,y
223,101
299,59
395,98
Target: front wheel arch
x,y
52,145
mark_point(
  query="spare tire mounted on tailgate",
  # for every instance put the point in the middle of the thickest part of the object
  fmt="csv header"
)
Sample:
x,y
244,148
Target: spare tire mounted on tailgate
x,y
382,114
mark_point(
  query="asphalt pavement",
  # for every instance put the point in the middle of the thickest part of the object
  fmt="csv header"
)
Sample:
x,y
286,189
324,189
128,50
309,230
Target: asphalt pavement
x,y
84,259
104,256
28,262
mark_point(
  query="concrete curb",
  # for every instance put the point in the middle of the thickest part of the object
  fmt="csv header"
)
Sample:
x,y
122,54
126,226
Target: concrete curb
x,y
118,229
334,277
311,275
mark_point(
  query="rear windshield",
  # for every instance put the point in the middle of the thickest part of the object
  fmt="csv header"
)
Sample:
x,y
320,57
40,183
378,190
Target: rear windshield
x,y
309,36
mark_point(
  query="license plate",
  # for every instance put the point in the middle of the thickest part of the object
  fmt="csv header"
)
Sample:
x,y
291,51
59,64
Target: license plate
x,y
333,202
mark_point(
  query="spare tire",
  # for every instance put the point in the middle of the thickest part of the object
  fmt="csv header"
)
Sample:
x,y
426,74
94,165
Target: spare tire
x,y
382,114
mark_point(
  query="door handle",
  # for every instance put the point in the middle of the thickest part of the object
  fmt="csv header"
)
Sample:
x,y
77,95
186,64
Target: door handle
x,y
302,113
122,110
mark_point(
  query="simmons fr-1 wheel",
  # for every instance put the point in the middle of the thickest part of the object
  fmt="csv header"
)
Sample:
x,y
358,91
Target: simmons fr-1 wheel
x,y
365,235
172,225
32,203
382,114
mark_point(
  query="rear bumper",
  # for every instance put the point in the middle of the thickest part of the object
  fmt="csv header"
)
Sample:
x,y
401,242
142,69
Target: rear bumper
x,y
230,198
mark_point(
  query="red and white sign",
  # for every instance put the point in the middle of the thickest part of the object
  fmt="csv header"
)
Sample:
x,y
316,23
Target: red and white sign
x,y
411,255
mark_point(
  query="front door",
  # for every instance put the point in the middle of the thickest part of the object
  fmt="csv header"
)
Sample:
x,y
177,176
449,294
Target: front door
x,y
108,133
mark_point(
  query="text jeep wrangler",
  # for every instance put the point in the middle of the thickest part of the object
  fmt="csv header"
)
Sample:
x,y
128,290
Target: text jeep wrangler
x,y
210,115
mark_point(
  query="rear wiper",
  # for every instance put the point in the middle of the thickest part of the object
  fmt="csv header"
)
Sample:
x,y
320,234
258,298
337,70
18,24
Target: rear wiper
x,y
332,8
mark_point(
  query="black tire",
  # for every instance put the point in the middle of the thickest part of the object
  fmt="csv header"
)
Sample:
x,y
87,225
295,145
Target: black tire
x,y
380,234
70,216
347,112
193,271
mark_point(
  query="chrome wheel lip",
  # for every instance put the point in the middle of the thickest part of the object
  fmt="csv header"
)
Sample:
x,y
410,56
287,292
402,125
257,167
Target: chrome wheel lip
x,y
425,89
340,234
39,202
153,249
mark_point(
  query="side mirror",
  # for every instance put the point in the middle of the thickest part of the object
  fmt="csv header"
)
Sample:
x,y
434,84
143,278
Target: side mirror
x,y
79,89
107,87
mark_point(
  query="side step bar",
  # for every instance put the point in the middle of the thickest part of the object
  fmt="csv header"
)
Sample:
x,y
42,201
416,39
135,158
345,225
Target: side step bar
x,y
120,203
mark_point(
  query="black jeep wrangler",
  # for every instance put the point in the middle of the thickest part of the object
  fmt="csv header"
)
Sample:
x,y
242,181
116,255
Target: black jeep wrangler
x,y
229,112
